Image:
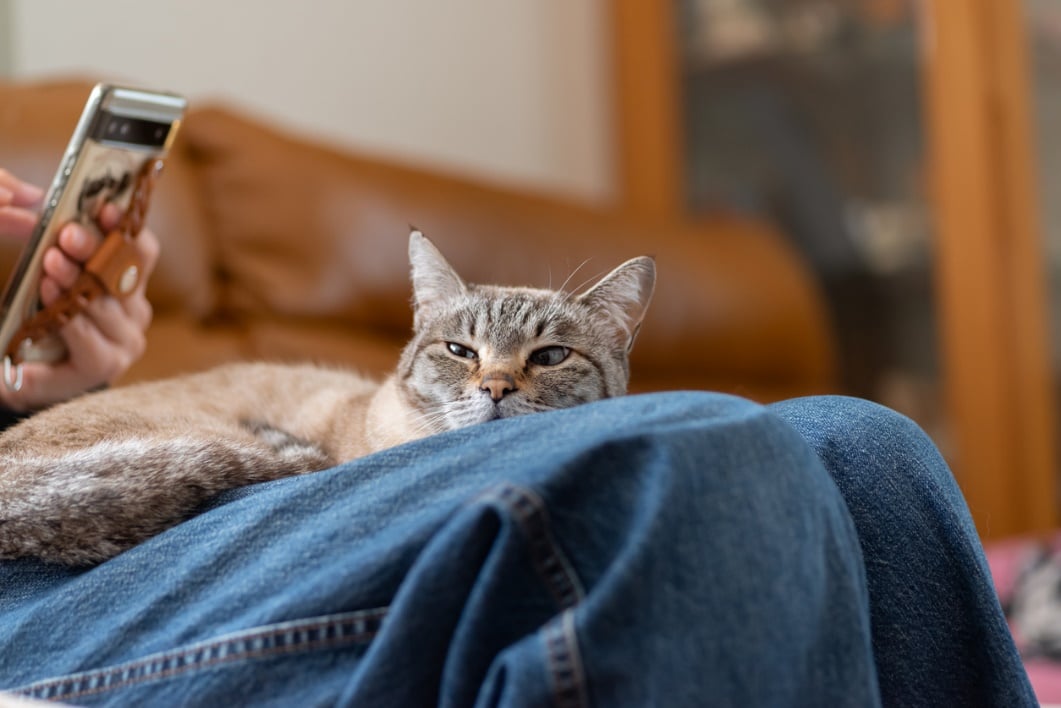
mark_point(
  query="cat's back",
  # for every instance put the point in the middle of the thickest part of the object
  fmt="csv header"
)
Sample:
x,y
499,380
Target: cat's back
x,y
245,386
274,393
254,380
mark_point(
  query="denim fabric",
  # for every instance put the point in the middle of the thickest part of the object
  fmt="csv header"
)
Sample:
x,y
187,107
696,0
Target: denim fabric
x,y
661,550
935,613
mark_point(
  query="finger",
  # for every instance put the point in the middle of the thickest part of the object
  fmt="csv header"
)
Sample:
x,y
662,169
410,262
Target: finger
x,y
50,291
111,318
16,221
44,384
29,396
149,247
78,242
16,192
60,268
93,354
139,309
103,342
47,384
109,216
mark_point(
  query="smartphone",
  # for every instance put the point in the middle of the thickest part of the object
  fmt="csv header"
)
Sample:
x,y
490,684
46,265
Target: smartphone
x,y
120,129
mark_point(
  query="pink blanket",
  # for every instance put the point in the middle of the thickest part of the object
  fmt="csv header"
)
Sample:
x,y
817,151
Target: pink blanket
x,y
1027,575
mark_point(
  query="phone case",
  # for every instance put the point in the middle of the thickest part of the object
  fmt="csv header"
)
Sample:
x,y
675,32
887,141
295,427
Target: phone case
x,y
120,130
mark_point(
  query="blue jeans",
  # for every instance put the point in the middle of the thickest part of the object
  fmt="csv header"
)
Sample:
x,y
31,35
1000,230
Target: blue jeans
x,y
659,550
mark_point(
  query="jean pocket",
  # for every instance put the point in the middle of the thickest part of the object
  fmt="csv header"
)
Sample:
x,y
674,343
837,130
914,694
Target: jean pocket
x,y
240,651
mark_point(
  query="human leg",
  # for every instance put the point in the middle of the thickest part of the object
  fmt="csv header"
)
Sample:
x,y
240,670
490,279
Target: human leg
x,y
939,635
656,550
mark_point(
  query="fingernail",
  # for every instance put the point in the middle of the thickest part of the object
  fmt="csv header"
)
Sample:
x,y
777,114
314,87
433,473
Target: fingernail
x,y
72,237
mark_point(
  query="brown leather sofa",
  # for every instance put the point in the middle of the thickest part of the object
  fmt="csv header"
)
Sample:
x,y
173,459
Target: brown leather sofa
x,y
280,248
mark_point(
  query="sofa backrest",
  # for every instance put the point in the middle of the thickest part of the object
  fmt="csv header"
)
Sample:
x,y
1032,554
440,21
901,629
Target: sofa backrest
x,y
259,223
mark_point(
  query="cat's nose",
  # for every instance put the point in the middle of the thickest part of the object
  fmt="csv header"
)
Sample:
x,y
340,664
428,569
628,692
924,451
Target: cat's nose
x,y
498,385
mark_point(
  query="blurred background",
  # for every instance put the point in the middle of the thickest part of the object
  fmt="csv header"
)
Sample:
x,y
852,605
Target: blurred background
x,y
517,92
907,150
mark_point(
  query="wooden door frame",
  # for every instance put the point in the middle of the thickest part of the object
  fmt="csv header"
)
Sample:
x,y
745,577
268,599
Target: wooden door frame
x,y
990,279
648,96
990,272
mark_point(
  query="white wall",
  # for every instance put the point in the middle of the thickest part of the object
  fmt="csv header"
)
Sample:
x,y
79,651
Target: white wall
x,y
513,91
5,37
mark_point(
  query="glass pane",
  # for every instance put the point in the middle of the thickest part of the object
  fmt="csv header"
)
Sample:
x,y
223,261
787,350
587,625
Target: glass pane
x,y
808,113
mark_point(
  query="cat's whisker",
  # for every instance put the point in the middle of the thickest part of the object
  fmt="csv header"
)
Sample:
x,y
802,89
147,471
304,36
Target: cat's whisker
x,y
587,281
563,286
533,407
435,418
429,423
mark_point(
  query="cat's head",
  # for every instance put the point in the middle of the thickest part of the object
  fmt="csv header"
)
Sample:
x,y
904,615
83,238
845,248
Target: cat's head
x,y
481,352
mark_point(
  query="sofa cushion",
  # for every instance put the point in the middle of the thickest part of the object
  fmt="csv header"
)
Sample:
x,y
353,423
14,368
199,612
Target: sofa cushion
x,y
314,232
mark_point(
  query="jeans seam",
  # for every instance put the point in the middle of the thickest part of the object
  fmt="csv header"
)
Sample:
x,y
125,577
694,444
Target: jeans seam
x,y
261,642
548,559
567,675
566,672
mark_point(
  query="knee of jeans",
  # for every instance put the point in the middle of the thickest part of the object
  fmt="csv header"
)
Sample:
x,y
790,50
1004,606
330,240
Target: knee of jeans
x,y
859,441
644,415
708,459
701,433
831,421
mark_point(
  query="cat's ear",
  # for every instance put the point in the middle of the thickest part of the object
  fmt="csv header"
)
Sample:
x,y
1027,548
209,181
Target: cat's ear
x,y
623,295
434,281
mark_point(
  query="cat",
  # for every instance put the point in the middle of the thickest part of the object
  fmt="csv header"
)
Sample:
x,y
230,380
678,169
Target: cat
x,y
87,479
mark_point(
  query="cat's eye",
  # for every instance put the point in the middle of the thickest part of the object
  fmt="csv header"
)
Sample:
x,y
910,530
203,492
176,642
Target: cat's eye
x,y
549,356
461,351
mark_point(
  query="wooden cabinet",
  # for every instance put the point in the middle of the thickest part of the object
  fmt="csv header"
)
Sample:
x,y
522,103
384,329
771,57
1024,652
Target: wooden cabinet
x,y
984,279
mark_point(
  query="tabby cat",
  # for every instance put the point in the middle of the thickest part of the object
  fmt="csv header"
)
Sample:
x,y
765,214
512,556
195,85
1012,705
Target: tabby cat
x,y
87,479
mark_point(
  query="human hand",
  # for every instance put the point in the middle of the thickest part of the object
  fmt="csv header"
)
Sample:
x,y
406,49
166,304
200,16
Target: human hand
x,y
18,200
107,337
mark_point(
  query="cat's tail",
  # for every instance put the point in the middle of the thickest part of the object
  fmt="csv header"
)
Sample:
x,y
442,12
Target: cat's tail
x,y
90,504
